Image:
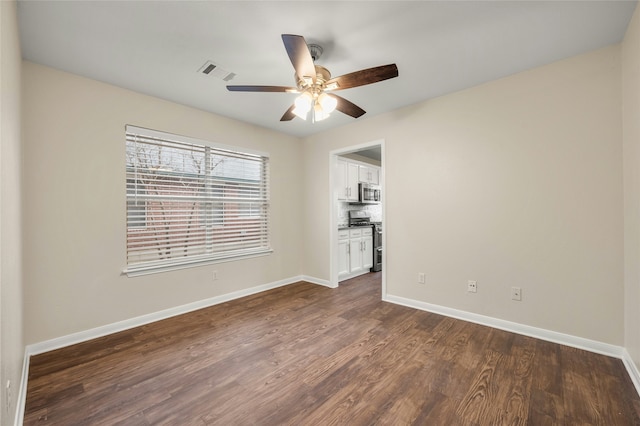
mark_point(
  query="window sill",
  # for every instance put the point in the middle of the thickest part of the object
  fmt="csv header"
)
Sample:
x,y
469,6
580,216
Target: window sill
x,y
136,271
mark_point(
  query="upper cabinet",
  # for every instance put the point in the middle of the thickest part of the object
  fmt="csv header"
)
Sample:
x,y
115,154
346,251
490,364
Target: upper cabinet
x,y
347,181
349,173
369,174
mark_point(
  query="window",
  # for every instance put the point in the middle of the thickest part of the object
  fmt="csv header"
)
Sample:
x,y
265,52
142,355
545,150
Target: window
x,y
136,207
190,202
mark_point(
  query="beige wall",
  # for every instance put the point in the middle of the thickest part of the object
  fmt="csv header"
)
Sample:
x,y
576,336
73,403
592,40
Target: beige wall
x,y
517,182
631,146
11,343
74,217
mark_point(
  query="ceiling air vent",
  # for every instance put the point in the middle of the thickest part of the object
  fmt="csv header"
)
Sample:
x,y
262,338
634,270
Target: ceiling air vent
x,y
214,70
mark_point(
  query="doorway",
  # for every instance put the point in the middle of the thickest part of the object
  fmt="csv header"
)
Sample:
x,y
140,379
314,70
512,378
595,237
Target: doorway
x,y
371,153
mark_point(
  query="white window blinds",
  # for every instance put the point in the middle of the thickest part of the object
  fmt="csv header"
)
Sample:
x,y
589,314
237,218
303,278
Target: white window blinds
x,y
189,202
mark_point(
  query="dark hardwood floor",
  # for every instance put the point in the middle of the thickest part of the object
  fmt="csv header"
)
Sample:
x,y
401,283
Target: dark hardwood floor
x,y
308,355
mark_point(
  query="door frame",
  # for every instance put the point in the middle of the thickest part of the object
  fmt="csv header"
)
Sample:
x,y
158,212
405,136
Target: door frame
x,y
333,210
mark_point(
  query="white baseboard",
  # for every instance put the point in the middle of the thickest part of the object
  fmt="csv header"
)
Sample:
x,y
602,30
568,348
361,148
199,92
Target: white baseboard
x,y
318,281
526,330
538,333
22,392
632,368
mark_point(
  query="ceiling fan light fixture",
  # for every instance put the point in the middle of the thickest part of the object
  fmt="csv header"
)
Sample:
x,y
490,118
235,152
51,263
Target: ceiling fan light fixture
x,y
319,113
328,103
300,113
304,101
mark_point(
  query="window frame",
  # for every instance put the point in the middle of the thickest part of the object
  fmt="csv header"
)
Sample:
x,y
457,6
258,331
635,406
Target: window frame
x,y
247,239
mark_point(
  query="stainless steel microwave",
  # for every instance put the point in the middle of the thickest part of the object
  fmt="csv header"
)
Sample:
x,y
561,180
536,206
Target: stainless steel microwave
x,y
368,194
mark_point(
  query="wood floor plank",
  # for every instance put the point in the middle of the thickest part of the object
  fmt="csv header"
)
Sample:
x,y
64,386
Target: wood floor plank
x,y
511,406
475,407
306,355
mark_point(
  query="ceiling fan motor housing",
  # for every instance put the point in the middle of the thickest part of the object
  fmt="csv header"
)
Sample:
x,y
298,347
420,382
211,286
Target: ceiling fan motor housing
x,y
315,50
322,76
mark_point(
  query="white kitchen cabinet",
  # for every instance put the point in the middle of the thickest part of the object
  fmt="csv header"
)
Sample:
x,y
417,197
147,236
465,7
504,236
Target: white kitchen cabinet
x,y
367,252
355,252
369,174
343,252
355,255
347,181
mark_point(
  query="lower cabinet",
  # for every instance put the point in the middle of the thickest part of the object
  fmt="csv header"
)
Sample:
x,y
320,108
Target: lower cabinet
x,y
355,252
367,251
343,255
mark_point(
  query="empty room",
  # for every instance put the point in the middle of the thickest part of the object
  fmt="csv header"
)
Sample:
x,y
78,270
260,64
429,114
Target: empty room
x,y
320,212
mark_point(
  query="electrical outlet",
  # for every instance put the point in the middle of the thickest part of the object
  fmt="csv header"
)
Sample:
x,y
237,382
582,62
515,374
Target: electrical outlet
x,y
421,278
472,286
215,275
516,293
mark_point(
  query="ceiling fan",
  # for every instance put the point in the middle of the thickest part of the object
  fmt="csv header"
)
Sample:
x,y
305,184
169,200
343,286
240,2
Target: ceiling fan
x,y
313,82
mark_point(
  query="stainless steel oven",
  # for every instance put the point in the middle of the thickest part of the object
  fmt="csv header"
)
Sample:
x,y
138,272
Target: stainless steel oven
x,y
377,247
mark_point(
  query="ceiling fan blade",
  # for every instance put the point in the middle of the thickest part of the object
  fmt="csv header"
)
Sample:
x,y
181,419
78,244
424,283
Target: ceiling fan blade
x,y
362,77
300,56
289,115
348,107
262,89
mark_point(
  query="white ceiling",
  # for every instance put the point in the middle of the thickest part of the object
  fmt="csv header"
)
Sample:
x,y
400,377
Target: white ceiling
x,y
157,47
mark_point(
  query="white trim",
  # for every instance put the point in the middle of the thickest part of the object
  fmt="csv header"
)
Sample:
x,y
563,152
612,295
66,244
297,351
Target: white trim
x,y
318,281
632,369
383,189
21,402
333,223
145,269
526,330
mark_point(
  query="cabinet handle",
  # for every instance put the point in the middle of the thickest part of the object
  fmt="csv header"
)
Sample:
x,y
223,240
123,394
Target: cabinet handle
x,y
348,248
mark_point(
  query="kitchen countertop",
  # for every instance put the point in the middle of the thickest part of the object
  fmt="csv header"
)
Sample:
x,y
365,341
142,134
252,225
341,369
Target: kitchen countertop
x,y
341,227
